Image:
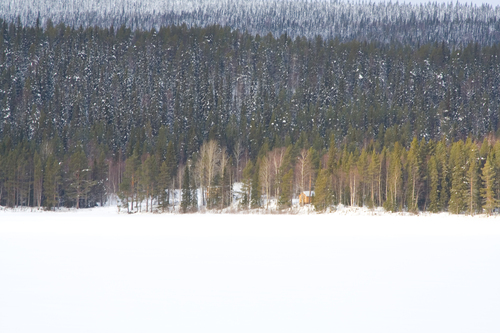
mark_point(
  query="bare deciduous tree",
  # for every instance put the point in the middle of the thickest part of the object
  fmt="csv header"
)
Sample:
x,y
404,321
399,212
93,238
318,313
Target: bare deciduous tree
x,y
207,167
276,156
238,150
265,175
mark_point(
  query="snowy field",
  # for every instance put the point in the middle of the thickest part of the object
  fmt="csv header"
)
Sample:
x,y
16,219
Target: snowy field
x,y
99,271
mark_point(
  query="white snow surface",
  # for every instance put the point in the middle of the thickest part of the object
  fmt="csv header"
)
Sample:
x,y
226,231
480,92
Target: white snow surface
x,y
349,271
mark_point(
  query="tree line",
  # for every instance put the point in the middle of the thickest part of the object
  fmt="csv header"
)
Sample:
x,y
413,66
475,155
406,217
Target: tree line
x,y
458,177
384,22
82,111
115,87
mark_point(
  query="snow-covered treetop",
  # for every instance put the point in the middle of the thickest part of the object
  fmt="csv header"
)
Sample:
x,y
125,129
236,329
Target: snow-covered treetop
x,y
385,22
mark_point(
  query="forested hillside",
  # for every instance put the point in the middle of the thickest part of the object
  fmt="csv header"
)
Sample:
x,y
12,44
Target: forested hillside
x,y
382,22
90,112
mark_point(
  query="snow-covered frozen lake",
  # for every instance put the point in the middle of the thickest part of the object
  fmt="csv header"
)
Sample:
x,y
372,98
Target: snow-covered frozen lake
x,y
97,271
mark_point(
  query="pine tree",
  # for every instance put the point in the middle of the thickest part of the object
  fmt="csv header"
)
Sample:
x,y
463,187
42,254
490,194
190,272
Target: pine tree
x,y
395,179
364,177
148,180
434,205
487,190
443,167
78,173
286,192
161,144
128,186
495,163
51,182
37,181
163,184
458,190
322,191
171,169
99,176
413,171
332,155
374,173
473,184
484,151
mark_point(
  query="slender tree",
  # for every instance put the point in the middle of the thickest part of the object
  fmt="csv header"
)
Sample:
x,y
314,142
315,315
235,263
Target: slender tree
x,y
487,191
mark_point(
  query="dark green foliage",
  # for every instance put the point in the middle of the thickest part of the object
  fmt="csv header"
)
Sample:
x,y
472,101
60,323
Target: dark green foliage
x,y
322,191
129,184
247,185
164,180
434,204
149,89
106,113
285,199
458,190
256,192
189,200
51,183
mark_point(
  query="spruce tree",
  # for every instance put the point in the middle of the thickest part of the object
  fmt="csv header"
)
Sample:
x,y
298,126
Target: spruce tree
x,y
194,195
37,181
163,184
256,194
149,179
187,200
322,191
286,192
128,186
78,172
51,183
2,176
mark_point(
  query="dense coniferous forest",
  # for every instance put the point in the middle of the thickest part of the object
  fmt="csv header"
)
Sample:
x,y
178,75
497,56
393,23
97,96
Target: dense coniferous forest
x,y
90,112
383,22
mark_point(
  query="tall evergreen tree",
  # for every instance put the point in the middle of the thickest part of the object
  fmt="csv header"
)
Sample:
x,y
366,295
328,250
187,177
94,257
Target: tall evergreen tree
x,y
78,173
487,190
413,170
473,182
458,190
255,201
51,182
322,191
395,180
286,192
37,181
434,204
187,195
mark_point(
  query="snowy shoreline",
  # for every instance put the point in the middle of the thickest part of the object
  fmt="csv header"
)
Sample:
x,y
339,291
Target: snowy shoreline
x,y
339,210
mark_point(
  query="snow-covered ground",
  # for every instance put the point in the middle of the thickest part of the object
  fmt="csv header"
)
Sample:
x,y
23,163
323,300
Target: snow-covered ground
x,y
350,271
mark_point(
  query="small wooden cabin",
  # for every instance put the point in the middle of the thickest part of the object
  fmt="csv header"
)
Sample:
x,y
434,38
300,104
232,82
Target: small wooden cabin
x,y
305,197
